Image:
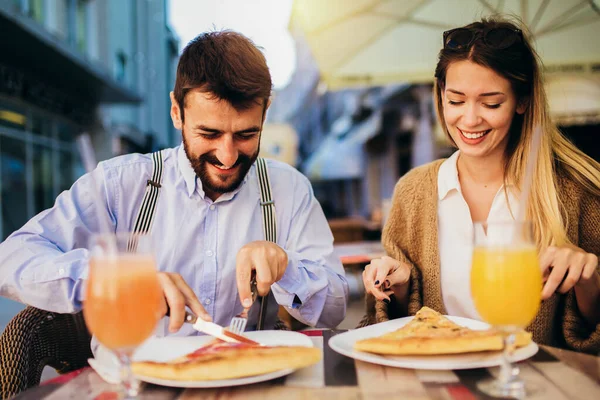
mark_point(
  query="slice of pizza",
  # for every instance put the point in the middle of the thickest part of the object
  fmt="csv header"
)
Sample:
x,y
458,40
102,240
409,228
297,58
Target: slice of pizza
x,y
219,360
429,332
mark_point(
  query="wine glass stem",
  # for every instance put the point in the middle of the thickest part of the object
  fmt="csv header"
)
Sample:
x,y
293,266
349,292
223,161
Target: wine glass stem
x,y
508,372
129,383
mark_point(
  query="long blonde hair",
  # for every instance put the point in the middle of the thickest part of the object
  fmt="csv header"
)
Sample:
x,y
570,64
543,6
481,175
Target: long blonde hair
x,y
521,65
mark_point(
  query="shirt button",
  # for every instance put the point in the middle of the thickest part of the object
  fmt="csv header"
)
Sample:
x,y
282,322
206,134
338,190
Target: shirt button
x,y
61,271
209,253
207,301
212,207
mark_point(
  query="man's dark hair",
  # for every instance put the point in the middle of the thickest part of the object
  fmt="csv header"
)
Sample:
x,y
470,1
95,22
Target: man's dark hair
x,y
226,64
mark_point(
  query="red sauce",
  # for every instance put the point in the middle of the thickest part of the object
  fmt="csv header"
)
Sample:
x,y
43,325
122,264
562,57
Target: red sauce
x,y
108,396
215,347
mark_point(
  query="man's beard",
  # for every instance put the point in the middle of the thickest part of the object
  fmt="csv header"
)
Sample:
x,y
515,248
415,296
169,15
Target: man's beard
x,y
212,183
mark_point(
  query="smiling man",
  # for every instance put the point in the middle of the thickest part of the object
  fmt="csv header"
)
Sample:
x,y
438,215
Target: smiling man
x,y
208,223
221,142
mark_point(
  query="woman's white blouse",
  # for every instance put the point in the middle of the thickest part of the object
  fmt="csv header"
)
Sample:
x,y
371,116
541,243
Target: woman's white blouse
x,y
456,237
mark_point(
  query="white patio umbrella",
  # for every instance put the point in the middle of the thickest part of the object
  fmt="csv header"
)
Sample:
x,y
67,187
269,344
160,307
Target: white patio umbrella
x,y
375,42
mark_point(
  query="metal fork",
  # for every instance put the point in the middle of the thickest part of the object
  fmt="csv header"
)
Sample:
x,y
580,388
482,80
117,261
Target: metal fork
x,y
238,323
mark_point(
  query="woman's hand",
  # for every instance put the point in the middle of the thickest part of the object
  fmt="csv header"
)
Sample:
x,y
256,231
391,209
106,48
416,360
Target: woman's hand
x,y
383,276
566,267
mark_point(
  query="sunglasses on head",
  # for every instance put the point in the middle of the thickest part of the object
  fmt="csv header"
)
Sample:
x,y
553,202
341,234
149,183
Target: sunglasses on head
x,y
496,38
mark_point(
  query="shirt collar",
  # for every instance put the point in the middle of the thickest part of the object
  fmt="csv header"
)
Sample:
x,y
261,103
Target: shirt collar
x,y
188,173
230,195
448,176
193,183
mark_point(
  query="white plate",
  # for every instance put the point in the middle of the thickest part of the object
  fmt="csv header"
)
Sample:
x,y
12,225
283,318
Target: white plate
x,y
168,348
344,344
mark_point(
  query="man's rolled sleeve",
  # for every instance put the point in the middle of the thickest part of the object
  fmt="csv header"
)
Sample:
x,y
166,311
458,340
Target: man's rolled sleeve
x,y
321,304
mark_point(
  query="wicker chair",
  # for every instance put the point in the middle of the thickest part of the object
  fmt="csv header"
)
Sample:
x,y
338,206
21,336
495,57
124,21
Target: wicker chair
x,y
35,338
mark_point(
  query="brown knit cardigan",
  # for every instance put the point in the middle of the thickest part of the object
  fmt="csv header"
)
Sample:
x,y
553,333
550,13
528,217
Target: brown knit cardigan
x,y
411,235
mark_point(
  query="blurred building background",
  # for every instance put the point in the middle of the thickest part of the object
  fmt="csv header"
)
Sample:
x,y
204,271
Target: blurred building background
x,y
361,97
69,66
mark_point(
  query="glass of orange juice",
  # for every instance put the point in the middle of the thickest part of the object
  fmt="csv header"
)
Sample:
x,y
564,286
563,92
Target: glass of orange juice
x,y
506,285
123,297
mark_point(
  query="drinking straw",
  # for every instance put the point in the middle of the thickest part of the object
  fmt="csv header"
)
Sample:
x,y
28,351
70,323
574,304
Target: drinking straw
x,y
536,140
84,145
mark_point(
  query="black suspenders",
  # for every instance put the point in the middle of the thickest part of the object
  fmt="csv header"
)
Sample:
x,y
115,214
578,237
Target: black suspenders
x,y
145,217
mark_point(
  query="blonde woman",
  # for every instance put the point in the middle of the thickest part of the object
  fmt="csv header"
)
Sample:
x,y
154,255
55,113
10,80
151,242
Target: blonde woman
x,y
489,97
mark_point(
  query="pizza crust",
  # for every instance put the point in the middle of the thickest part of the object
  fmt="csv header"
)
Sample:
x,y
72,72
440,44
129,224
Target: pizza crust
x,y
430,333
230,363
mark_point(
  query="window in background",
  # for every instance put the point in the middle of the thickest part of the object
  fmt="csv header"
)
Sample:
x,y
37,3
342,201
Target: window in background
x,y
41,125
67,171
81,25
93,9
58,18
121,66
17,5
14,185
43,187
36,10
66,132
12,116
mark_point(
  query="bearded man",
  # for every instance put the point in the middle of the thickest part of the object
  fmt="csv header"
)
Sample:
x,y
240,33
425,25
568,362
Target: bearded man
x,y
207,224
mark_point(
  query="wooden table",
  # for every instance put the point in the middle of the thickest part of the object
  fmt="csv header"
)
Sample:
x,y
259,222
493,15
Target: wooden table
x,y
562,374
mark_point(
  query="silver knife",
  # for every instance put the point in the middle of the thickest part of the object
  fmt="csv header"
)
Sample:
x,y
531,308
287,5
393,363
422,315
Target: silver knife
x,y
212,329
215,330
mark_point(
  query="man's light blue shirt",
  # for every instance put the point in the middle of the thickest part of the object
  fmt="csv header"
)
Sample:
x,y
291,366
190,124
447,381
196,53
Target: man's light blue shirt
x,y
45,263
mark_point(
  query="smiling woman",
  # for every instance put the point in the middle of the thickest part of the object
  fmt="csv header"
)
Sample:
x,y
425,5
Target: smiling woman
x,y
478,102
489,99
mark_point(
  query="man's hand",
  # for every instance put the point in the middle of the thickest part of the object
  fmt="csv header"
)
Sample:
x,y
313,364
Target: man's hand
x,y
178,295
267,259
